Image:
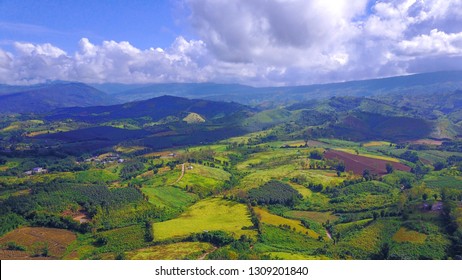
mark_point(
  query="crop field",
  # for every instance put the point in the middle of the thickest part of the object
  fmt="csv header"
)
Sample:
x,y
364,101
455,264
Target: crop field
x,y
358,164
36,240
275,239
207,215
169,197
276,220
175,251
376,143
443,181
371,238
128,149
320,217
406,235
351,227
202,179
359,152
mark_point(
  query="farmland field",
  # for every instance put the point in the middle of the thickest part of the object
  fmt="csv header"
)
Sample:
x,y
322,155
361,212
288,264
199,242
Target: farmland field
x,y
275,220
45,242
358,164
207,215
176,251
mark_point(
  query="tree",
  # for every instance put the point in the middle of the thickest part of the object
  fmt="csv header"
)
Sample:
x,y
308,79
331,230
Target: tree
x,y
367,174
389,168
439,166
149,237
316,154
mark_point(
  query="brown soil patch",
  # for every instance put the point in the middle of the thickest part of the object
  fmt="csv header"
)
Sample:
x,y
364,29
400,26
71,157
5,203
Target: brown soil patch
x,y
428,142
57,240
357,164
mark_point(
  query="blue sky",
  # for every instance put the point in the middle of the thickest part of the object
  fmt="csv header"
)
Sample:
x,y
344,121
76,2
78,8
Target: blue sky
x,y
64,23
259,42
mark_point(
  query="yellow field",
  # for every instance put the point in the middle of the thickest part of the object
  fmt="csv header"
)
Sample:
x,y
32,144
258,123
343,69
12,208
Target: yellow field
x,y
128,150
174,251
376,143
276,220
305,192
353,152
207,215
406,235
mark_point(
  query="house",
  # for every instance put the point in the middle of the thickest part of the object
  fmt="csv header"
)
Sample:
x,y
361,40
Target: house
x,y
28,172
39,170
121,160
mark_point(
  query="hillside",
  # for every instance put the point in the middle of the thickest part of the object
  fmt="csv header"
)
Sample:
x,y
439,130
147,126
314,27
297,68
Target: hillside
x,y
155,109
44,98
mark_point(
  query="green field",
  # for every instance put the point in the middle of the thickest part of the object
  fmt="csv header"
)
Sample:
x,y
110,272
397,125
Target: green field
x,y
170,197
207,215
276,220
202,179
320,217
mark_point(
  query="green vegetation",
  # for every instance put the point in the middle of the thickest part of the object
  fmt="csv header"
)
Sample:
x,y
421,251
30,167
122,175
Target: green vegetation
x,y
235,182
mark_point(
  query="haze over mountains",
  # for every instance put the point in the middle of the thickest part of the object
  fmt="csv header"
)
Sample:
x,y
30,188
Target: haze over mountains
x,y
46,97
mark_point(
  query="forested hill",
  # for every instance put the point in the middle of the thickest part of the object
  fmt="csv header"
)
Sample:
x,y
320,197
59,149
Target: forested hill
x,y
155,108
40,99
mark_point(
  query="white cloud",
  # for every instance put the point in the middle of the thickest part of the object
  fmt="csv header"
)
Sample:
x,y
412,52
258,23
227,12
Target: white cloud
x,y
263,42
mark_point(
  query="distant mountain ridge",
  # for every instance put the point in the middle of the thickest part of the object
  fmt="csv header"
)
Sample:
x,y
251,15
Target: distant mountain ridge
x,y
419,83
58,94
44,98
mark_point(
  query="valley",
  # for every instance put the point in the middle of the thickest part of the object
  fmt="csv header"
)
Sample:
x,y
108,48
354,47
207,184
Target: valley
x,y
375,176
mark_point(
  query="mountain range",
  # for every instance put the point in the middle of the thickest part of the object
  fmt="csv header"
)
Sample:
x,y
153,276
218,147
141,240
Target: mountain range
x,y
47,97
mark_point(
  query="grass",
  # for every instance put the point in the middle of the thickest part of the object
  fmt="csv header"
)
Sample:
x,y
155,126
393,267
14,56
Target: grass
x,y
407,235
96,175
36,239
203,179
164,178
169,197
207,215
320,217
275,220
175,251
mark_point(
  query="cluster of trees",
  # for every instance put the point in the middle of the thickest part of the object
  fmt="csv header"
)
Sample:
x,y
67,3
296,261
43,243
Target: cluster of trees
x,y
131,169
274,192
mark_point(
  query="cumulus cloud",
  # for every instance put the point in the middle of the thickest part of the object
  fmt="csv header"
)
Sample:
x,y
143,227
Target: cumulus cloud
x,y
261,42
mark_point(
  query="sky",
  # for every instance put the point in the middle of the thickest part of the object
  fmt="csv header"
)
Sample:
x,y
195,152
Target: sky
x,y
258,42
